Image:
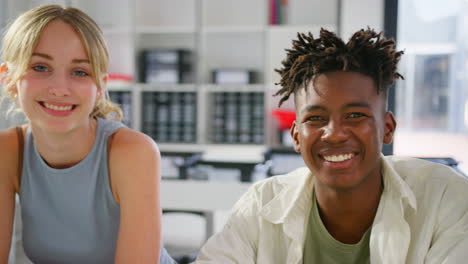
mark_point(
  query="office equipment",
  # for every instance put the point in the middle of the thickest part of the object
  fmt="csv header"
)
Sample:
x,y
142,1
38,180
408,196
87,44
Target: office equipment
x,y
175,164
234,76
282,160
165,66
445,161
240,157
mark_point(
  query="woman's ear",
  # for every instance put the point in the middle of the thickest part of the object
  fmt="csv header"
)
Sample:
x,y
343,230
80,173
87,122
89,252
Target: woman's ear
x,y
105,79
4,79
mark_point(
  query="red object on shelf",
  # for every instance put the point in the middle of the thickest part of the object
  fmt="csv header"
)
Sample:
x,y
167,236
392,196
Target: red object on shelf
x,y
285,118
120,77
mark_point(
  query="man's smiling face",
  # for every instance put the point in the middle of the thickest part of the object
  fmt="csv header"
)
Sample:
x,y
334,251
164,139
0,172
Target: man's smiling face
x,y
340,127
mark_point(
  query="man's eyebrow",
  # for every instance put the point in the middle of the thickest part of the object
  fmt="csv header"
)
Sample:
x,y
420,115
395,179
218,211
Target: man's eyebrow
x,y
310,108
48,57
358,104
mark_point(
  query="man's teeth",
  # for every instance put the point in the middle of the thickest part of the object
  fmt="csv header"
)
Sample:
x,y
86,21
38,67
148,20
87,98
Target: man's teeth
x,y
58,108
338,158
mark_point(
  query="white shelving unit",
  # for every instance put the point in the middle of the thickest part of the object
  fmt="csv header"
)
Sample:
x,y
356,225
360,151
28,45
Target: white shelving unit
x,y
221,34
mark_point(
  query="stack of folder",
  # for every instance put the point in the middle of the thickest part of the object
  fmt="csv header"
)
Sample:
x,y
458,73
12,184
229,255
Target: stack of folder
x,y
170,116
237,117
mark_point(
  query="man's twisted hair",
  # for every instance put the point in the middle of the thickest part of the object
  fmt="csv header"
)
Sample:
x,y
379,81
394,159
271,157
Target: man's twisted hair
x,y
366,52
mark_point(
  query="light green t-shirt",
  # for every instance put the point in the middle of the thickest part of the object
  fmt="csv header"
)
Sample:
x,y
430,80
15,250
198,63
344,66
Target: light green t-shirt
x,y
321,247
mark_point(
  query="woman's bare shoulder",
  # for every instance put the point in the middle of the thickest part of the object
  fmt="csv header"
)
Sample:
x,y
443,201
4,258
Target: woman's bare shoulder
x,y
9,156
127,140
133,155
9,142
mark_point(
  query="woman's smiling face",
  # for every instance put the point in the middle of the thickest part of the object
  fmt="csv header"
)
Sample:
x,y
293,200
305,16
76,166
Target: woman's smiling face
x,y
57,92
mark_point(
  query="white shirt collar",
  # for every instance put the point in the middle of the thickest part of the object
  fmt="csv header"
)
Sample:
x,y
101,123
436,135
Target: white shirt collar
x,y
296,196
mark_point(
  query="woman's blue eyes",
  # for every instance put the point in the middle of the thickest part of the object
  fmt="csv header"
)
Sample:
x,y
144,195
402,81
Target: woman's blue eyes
x,y
42,68
80,73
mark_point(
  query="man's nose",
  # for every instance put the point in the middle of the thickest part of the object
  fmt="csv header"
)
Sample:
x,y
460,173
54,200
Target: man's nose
x,y
335,132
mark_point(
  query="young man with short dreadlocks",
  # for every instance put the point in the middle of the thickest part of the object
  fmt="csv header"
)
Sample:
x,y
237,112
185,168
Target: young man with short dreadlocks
x,y
350,204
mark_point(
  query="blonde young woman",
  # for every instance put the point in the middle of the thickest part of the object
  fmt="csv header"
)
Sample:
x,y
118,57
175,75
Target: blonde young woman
x,y
88,186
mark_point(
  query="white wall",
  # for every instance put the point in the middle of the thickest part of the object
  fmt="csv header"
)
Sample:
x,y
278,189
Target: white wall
x,y
2,13
358,14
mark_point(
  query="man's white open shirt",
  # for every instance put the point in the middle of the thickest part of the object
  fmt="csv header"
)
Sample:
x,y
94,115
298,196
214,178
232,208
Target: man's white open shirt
x,y
422,218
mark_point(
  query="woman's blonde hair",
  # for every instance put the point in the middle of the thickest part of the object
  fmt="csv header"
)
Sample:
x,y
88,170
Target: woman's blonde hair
x,y
23,34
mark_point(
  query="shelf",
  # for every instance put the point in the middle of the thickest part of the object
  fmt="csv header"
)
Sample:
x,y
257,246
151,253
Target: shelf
x,y
165,30
243,13
166,87
234,87
116,30
232,29
315,29
165,16
119,86
220,34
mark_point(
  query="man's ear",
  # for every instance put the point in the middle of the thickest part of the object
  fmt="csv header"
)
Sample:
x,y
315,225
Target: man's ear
x,y
295,136
390,126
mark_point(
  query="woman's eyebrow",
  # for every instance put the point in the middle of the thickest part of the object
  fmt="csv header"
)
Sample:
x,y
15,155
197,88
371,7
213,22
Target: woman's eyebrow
x,y
45,56
81,61
48,57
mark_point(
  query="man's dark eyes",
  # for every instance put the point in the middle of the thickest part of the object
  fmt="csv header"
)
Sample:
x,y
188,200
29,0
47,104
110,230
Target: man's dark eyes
x,y
356,115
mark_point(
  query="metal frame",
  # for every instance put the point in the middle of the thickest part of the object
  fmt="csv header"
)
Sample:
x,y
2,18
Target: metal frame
x,y
390,29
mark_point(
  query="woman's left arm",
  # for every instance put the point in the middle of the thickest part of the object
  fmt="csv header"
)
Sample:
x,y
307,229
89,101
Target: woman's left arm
x,y
134,167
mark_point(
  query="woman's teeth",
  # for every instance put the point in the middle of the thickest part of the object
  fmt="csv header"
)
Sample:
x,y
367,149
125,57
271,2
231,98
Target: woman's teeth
x,y
58,108
338,158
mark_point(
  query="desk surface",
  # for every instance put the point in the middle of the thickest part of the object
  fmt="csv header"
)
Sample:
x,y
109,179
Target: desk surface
x,y
222,152
192,195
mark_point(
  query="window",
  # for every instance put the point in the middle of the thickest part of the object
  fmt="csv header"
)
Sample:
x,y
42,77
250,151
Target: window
x,y
432,101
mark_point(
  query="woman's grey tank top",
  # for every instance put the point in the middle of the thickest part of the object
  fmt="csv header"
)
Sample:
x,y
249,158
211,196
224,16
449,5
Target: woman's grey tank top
x,y
70,215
